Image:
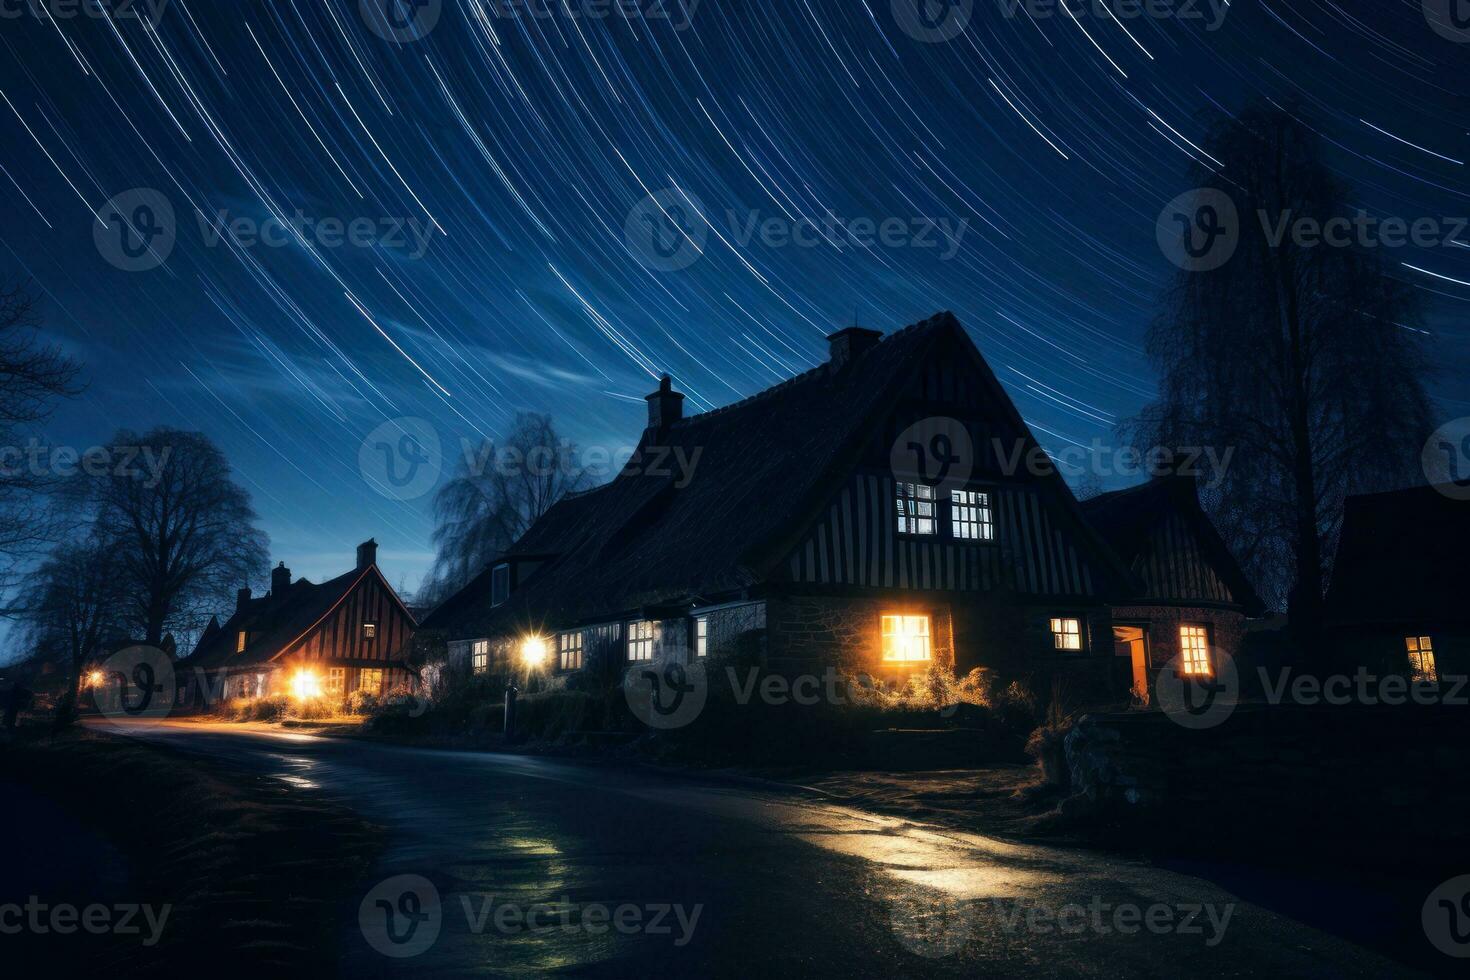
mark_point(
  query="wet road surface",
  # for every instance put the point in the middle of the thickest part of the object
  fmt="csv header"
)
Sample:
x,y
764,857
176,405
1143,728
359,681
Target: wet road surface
x,y
506,865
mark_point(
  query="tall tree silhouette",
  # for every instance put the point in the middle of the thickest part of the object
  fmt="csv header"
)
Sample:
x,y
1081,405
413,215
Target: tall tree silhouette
x,y
181,528
493,499
1300,355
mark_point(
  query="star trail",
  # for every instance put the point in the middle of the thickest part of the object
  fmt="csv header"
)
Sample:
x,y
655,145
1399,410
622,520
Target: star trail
x,y
440,210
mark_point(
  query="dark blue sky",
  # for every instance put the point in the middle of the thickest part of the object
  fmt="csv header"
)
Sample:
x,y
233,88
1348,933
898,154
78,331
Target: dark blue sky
x,y
499,167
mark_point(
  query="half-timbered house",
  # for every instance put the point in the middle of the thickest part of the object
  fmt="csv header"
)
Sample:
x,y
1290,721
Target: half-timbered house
x,y
1192,599
882,513
350,633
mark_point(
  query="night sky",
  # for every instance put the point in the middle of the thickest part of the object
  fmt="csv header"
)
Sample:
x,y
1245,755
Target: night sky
x,y
524,148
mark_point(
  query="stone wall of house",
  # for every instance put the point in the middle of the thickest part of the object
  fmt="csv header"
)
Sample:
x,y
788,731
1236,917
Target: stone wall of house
x,y
1392,777
808,633
1227,628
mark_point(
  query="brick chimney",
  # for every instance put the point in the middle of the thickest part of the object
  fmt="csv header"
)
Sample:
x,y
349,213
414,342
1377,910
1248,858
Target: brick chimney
x,y
242,597
367,554
847,344
280,579
665,406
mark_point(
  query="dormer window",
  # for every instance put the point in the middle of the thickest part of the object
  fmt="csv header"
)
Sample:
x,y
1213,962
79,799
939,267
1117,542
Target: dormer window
x,y
500,584
369,631
240,640
916,509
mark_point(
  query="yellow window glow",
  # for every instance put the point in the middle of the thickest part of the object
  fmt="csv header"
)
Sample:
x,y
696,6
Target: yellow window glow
x,y
1194,651
1421,658
1066,634
906,639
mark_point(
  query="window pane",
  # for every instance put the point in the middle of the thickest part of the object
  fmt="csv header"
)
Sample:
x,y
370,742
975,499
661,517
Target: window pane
x,y
916,509
906,639
970,515
1067,634
1194,651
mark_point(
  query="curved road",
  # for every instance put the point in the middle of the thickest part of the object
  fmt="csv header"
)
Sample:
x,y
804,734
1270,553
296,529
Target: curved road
x,y
523,865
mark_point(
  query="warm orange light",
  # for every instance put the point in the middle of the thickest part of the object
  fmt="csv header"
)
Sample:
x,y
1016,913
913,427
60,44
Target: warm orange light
x,y
94,679
534,651
906,639
305,685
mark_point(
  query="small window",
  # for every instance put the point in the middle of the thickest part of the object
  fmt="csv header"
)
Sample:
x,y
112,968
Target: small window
x,y
240,640
640,641
499,585
1194,651
916,509
369,631
336,680
371,680
1066,634
1421,658
906,639
701,636
570,648
480,656
970,516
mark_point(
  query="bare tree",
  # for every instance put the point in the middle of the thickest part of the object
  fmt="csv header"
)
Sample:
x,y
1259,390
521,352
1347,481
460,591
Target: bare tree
x,y
492,500
183,531
71,604
33,375
1298,354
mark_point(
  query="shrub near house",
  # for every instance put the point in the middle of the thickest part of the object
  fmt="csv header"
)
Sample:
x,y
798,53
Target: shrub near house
x,y
867,517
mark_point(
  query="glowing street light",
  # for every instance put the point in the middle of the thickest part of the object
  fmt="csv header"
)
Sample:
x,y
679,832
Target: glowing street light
x,y
534,651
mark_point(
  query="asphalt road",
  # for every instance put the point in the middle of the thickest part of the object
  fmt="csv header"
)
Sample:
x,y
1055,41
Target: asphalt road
x,y
515,865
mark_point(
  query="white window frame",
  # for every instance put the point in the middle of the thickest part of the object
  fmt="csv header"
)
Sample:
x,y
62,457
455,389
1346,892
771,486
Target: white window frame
x,y
370,630
336,681
701,636
480,657
569,650
1194,650
917,509
903,643
641,634
1067,634
970,515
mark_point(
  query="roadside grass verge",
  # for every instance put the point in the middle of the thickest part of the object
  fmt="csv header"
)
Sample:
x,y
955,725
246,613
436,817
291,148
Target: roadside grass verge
x,y
256,873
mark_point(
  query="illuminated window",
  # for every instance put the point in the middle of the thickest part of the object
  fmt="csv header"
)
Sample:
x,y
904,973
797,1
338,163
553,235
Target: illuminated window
x,y
1066,634
640,641
916,509
701,636
1194,651
371,680
570,647
906,639
480,656
240,641
1421,658
369,631
336,680
970,516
